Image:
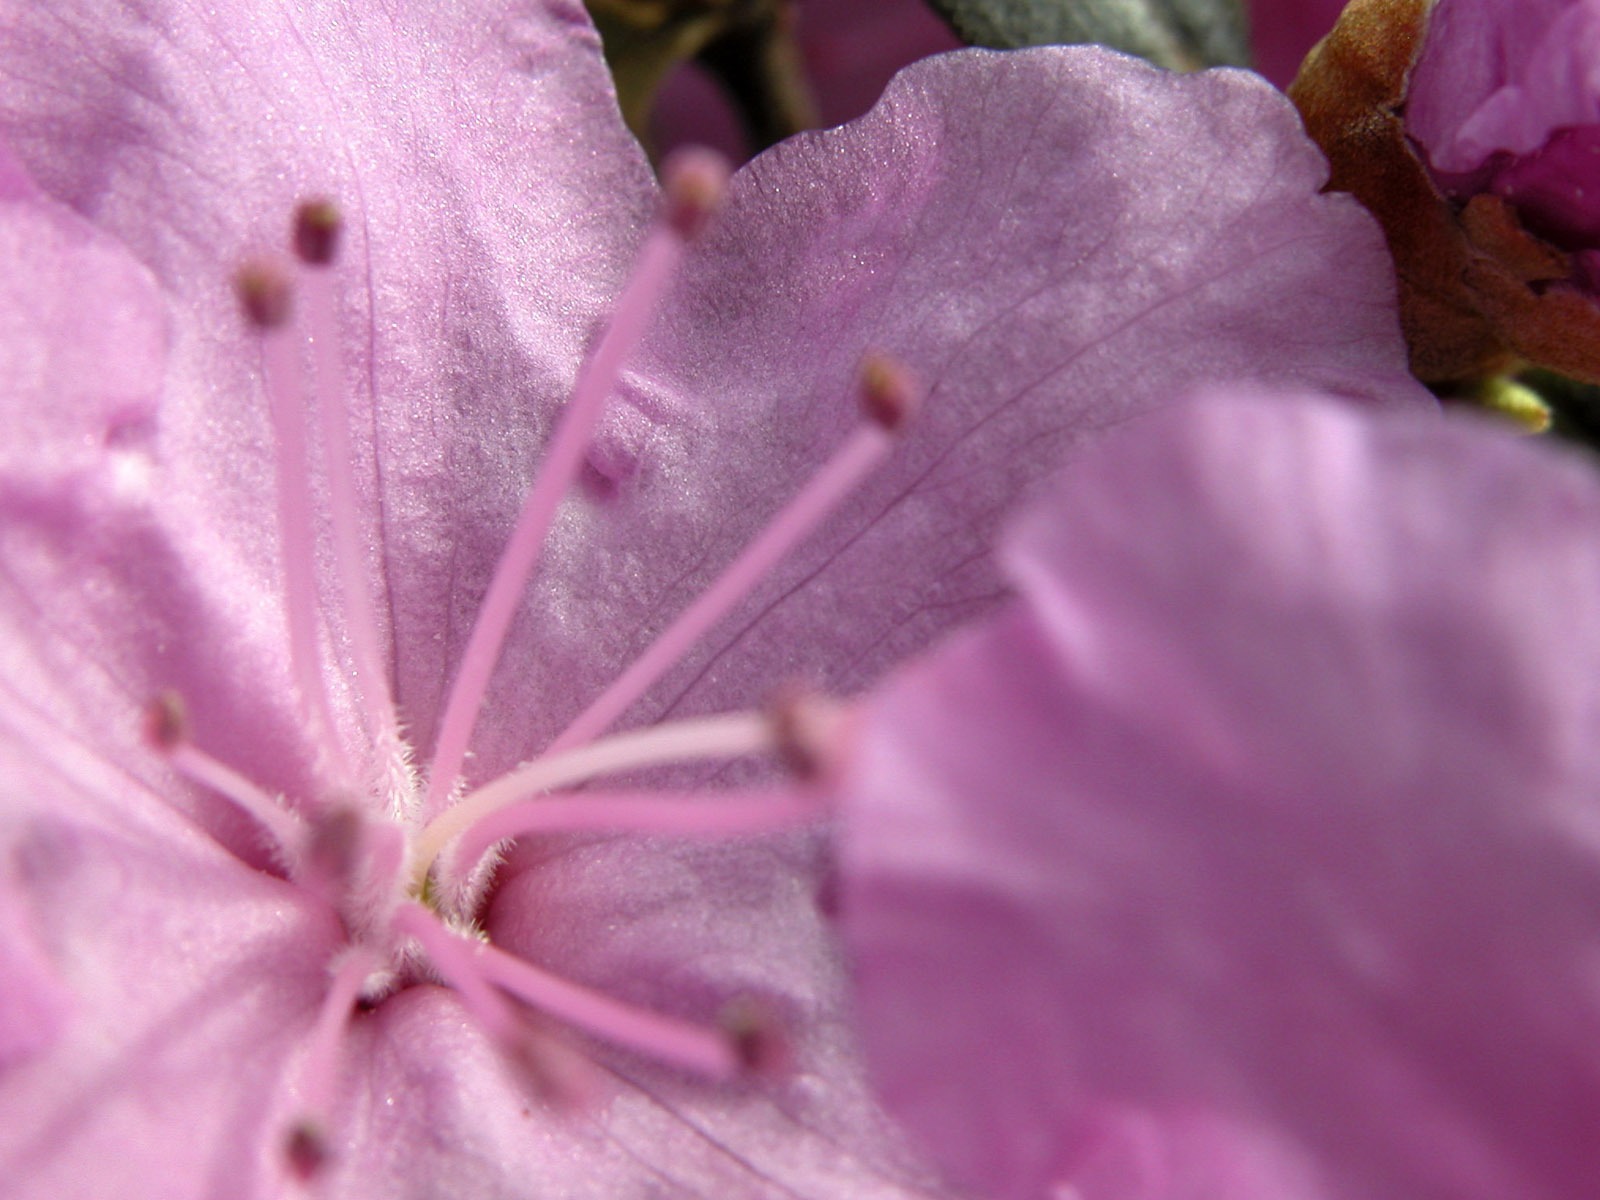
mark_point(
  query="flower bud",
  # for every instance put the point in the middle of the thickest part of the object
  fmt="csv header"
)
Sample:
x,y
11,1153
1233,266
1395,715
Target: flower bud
x,y
1460,126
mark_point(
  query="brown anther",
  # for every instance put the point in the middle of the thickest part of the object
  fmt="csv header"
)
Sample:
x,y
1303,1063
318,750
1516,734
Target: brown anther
x,y
166,721
318,225
306,1151
889,394
332,850
694,180
264,294
758,1038
806,728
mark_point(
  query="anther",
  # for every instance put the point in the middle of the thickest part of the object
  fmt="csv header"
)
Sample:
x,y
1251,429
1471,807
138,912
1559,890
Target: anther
x,y
889,397
306,1151
808,730
694,180
758,1038
166,728
318,225
889,393
265,294
166,722
333,848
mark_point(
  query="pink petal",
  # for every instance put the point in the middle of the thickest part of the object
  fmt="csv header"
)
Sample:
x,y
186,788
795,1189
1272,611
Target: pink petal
x,y
475,271
1047,239
191,976
1271,799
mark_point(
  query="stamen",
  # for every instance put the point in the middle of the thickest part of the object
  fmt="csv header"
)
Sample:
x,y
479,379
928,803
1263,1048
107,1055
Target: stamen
x,y
759,1038
167,728
306,1148
705,1051
318,227
886,395
694,180
657,264
710,737
810,731
644,812
460,964
265,296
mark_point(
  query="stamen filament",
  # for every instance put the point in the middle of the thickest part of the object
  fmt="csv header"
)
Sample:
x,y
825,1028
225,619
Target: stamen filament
x,y
306,1144
286,827
848,466
360,610
727,736
706,1051
646,812
657,263
460,963
279,360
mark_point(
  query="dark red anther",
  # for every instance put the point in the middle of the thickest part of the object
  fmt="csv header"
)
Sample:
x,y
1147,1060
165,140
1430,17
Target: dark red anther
x,y
694,180
758,1038
166,721
318,225
264,294
306,1151
806,726
889,394
334,847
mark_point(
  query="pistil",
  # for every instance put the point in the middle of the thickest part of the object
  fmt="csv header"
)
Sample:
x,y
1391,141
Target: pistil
x,y
720,737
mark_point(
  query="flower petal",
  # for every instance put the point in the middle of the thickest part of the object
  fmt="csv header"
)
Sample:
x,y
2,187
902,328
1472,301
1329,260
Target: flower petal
x,y
1052,240
1271,799
429,1106
475,267
191,976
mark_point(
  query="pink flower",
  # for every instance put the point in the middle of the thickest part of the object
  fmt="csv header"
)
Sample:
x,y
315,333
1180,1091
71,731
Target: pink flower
x,y
189,912
1253,849
1505,100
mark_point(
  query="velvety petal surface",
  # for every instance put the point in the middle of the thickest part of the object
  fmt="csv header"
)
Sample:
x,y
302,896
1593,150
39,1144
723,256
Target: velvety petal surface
x,y
1268,805
493,204
492,201
1052,240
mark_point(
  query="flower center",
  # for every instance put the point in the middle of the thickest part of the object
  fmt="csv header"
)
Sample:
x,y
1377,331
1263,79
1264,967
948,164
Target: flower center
x,y
404,863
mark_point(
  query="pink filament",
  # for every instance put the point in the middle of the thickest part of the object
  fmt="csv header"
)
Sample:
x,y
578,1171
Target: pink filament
x,y
851,463
694,1047
317,1085
649,812
349,556
724,736
658,261
286,828
459,962
299,543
